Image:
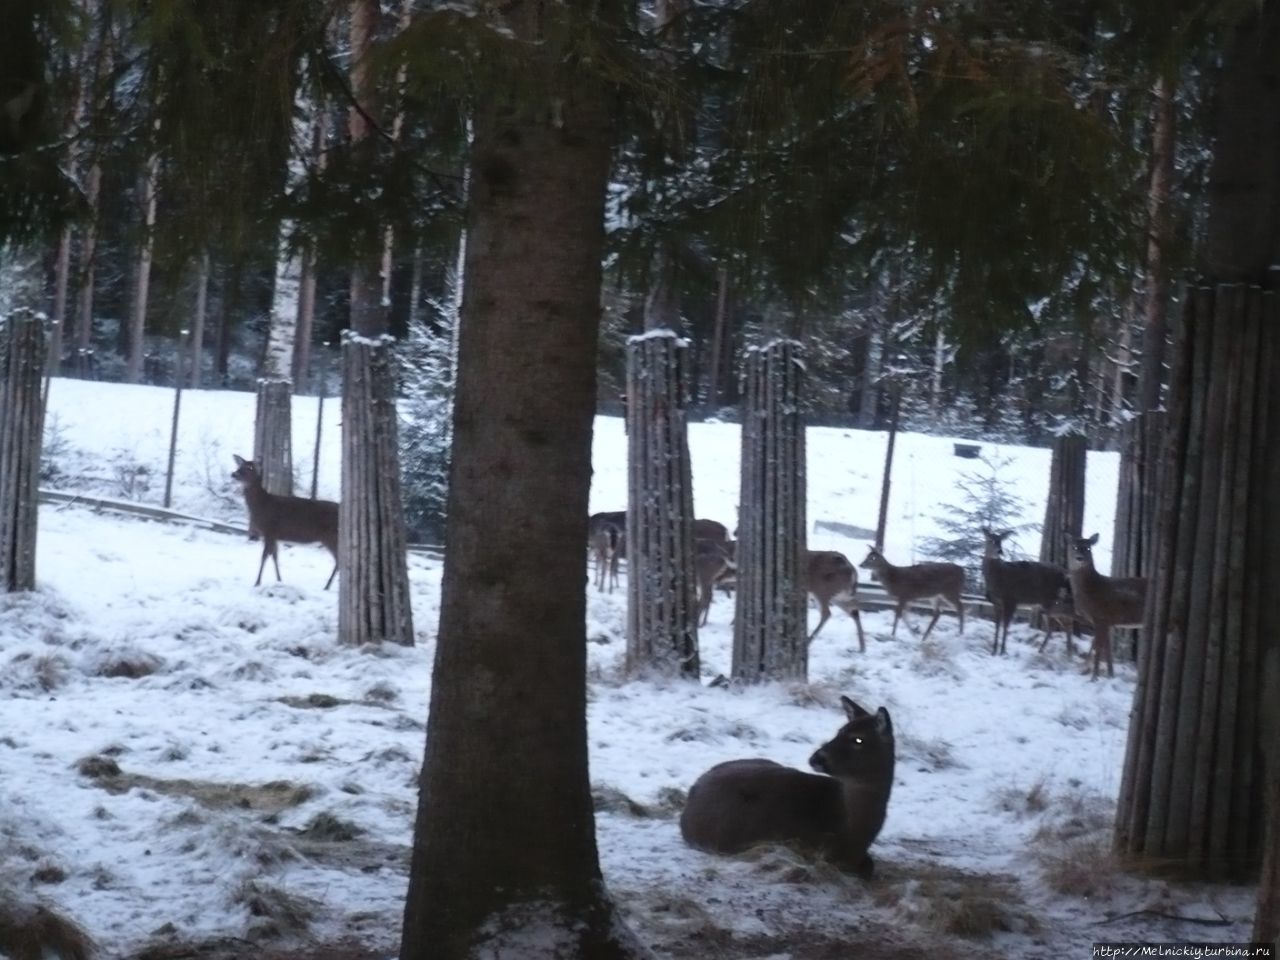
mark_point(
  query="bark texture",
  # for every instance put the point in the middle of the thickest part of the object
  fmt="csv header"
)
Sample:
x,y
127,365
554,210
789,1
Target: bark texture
x,y
23,348
1064,508
1192,794
504,859
373,587
770,626
1191,797
273,436
662,603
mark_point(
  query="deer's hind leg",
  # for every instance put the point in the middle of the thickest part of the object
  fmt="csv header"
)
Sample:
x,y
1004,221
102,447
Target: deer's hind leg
x,y
937,612
268,550
826,615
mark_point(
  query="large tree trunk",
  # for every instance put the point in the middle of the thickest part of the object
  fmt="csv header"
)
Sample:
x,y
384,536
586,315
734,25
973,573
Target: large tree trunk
x,y
504,858
1192,796
662,604
770,627
373,594
719,344
273,436
1064,507
23,344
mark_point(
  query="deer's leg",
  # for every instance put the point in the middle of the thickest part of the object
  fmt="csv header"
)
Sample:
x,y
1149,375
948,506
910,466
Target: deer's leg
x,y
897,615
826,615
997,612
275,558
937,612
266,549
850,606
955,602
1111,672
1049,622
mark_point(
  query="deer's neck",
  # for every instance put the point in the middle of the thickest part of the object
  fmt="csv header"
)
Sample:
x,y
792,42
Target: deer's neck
x,y
256,497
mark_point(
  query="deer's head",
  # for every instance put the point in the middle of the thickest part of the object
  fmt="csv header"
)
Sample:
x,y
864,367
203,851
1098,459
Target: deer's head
x,y
246,472
861,749
1080,557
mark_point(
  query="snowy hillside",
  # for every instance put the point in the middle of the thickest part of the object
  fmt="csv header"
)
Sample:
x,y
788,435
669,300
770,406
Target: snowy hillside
x,y
186,758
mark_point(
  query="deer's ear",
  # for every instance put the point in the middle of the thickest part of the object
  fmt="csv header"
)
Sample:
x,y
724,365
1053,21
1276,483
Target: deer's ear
x,y
1093,540
240,461
852,710
884,726
1006,535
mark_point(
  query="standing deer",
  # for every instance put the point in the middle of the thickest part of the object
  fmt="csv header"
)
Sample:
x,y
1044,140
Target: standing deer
x,y
1018,583
829,576
608,543
279,518
1106,602
838,810
920,581
832,579
713,562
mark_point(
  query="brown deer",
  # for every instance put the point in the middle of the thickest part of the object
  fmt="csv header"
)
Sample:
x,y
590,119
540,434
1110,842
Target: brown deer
x,y
839,810
829,576
278,518
920,581
608,543
713,562
832,579
1018,583
1106,602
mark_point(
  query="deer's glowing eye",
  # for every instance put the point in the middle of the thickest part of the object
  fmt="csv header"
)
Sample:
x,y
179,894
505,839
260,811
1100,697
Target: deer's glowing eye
x,y
857,741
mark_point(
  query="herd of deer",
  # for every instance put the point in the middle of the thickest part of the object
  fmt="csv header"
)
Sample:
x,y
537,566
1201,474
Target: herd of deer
x,y
1058,595
839,810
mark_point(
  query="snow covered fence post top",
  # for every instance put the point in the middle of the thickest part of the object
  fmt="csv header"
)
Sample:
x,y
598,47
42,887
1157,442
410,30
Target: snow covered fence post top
x,y
24,341
662,630
769,638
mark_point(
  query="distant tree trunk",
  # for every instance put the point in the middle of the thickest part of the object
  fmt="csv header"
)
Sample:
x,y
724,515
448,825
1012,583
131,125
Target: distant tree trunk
x,y
492,869
198,318
1141,438
771,624
61,285
23,343
273,422
368,313
719,341
232,301
869,406
142,275
662,604
307,285
882,518
373,594
88,263
1064,507
1192,798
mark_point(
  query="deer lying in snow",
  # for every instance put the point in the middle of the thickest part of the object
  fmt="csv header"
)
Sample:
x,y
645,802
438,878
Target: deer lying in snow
x,y
839,810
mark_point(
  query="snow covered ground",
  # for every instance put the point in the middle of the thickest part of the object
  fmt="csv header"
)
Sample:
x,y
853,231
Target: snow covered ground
x,y
183,756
